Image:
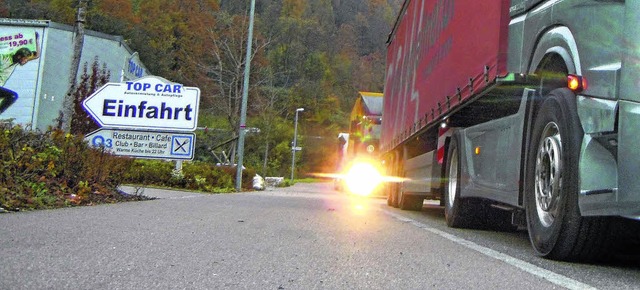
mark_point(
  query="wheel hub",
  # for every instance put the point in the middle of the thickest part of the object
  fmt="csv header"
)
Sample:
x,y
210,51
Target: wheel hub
x,y
548,174
453,180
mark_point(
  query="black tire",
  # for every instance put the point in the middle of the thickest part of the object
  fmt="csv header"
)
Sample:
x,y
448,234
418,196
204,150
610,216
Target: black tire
x,y
392,195
556,228
393,187
395,196
458,212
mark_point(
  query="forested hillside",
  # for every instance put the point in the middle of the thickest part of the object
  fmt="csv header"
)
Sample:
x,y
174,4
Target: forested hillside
x,y
314,54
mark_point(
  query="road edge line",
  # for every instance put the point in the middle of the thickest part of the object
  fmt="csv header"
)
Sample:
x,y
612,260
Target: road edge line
x,y
550,276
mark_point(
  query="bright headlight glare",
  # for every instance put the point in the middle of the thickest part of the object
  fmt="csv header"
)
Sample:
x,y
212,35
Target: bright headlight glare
x,y
362,178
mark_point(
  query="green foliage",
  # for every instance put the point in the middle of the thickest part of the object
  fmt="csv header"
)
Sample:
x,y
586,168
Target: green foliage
x,y
293,8
271,143
145,172
53,169
309,180
207,177
286,183
199,176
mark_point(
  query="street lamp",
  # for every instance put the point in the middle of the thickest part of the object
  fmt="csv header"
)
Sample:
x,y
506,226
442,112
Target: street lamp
x,y
295,143
245,96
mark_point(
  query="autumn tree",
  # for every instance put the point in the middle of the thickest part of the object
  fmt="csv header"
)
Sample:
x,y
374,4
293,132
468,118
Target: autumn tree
x,y
224,64
168,39
113,17
271,145
293,8
90,81
57,10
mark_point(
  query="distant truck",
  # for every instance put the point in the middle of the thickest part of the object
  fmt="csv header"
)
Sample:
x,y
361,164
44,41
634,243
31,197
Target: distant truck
x,y
359,148
365,124
517,113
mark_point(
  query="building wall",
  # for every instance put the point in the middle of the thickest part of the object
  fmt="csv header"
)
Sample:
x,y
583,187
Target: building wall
x,y
57,55
48,76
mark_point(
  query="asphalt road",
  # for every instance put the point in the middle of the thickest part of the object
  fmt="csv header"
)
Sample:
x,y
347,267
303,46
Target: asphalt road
x,y
303,237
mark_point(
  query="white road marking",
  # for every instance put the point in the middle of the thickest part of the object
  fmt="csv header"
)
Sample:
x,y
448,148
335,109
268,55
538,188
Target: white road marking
x,y
552,277
184,196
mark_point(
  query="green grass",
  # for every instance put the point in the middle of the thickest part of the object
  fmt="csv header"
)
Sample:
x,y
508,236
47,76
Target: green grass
x,y
310,180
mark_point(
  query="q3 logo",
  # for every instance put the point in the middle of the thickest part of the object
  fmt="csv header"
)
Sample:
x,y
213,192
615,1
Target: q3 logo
x,y
99,141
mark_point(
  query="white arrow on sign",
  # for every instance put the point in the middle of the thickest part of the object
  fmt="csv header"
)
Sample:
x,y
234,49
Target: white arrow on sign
x,y
149,102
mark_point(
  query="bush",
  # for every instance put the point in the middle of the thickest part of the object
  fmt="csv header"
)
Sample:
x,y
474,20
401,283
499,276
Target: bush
x,y
198,176
285,183
145,172
53,169
207,177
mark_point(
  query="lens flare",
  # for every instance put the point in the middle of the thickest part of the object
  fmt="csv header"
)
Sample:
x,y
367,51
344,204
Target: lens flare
x,y
362,178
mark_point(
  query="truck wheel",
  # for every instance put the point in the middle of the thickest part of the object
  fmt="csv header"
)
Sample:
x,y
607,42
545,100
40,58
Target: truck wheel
x,y
410,202
458,212
392,195
392,187
556,229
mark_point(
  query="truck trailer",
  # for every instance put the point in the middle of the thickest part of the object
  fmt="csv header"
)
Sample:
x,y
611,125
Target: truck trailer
x,y
517,113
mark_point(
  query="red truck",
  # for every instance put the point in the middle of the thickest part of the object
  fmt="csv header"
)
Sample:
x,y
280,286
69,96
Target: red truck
x,y
517,113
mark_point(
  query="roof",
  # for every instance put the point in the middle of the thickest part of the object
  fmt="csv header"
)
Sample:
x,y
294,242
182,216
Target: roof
x,y
65,27
372,103
367,104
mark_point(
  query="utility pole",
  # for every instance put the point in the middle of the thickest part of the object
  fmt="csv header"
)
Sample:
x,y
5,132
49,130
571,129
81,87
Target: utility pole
x,y
245,96
67,104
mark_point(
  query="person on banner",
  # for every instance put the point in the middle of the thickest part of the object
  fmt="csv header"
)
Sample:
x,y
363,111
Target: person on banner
x,y
8,63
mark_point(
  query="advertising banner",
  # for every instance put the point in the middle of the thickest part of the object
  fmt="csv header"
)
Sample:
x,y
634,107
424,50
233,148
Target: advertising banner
x,y
19,65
